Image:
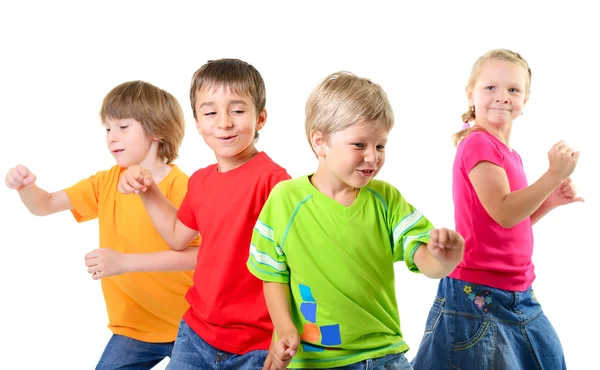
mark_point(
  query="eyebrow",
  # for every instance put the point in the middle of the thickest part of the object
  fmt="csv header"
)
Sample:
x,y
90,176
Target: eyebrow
x,y
231,102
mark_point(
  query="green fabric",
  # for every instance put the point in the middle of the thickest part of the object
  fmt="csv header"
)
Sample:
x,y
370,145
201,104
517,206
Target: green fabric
x,y
338,262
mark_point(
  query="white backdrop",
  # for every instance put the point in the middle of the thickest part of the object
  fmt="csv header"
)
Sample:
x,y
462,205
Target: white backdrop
x,y
59,59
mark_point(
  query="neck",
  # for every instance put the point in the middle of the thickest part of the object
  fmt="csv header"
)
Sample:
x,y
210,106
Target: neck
x,y
154,164
501,132
327,183
225,164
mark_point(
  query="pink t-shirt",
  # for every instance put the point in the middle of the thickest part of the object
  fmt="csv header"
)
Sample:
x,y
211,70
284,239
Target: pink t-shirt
x,y
494,255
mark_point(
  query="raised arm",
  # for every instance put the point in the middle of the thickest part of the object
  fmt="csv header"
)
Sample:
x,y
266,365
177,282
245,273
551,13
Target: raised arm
x,y
137,180
37,200
510,208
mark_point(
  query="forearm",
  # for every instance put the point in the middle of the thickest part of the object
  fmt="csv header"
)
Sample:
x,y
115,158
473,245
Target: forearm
x,y
36,199
542,211
278,300
162,261
519,205
163,215
430,266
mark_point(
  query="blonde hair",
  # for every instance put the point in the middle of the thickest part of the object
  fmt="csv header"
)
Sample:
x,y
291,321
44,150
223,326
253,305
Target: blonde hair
x,y
156,110
496,54
234,74
342,100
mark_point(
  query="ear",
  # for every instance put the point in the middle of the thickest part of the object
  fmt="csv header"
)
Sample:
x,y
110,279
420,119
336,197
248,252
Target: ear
x,y
318,142
261,120
526,100
469,92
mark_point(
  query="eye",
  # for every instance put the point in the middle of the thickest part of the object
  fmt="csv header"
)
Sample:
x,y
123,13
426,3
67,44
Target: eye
x,y
208,114
123,127
490,88
380,147
358,145
237,112
107,130
513,90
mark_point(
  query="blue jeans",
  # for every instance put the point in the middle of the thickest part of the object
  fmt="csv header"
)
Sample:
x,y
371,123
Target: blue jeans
x,y
474,326
126,353
389,362
191,352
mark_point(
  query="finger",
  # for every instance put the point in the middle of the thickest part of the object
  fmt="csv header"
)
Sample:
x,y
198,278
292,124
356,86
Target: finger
x,y
433,235
292,344
579,199
91,262
576,156
92,254
267,364
98,275
568,194
93,269
558,145
443,237
128,189
22,170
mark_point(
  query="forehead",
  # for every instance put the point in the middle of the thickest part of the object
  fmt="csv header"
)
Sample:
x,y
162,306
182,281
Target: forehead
x,y
219,93
111,121
503,71
364,131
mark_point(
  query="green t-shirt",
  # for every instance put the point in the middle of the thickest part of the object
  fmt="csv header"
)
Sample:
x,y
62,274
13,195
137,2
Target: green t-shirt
x,y
338,262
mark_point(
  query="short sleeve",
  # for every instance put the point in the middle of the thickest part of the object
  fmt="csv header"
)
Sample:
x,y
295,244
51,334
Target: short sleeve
x,y
186,213
84,197
266,260
176,194
409,228
478,147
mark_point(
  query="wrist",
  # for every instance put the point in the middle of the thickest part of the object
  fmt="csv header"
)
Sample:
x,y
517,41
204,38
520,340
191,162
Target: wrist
x,y
553,180
287,330
128,263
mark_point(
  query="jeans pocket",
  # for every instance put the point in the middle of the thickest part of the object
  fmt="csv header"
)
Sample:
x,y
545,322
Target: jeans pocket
x,y
434,315
474,346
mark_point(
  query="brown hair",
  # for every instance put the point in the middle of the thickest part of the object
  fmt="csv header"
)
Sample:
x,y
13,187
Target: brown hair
x,y
496,54
156,110
343,99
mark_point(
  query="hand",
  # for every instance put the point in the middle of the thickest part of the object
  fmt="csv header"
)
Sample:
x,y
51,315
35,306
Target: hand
x,y
564,194
134,180
19,177
281,352
104,262
562,160
446,246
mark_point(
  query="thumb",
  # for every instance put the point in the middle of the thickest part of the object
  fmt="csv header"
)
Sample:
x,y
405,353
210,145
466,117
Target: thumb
x,y
292,345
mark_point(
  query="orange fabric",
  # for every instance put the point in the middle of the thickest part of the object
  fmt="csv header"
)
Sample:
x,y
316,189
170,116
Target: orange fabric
x,y
146,306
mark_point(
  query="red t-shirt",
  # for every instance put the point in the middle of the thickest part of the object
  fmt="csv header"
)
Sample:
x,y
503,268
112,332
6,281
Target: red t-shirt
x,y
494,255
227,305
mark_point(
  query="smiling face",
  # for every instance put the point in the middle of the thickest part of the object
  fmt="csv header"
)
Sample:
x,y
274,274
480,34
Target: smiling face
x,y
228,122
499,93
353,156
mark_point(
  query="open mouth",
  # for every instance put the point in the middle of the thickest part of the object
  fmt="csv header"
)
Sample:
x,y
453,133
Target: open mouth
x,y
367,173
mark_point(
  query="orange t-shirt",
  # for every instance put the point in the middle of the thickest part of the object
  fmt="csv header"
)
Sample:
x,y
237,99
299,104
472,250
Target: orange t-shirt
x,y
146,306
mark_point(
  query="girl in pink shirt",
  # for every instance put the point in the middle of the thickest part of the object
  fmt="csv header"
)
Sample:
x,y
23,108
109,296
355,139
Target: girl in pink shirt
x,y
485,314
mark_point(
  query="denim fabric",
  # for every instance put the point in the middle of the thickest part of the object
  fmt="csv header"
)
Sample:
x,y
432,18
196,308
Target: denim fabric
x,y
191,352
474,326
124,353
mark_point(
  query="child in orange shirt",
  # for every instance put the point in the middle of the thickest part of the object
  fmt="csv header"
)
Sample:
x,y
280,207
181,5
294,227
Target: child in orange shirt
x,y
144,126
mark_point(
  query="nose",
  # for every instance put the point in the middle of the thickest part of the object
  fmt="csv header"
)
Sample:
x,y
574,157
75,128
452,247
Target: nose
x,y
224,122
112,136
502,97
371,156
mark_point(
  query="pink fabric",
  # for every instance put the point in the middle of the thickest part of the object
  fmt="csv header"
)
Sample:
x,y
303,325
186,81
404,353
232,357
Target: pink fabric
x,y
494,255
